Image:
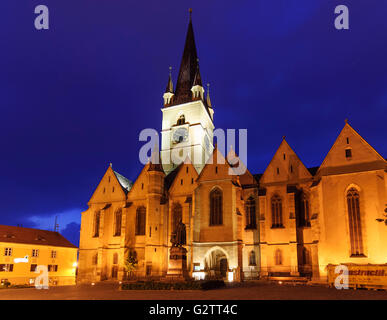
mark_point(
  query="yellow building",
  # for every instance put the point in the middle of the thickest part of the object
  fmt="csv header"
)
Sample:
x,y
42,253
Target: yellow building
x,y
288,221
23,249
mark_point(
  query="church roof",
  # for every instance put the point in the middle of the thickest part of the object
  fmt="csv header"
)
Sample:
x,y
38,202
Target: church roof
x,y
189,72
188,68
13,234
125,183
171,176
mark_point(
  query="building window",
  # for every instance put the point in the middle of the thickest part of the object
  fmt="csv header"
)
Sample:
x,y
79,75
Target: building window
x,y
252,258
8,252
53,254
35,253
177,215
33,267
355,228
117,223
348,153
302,207
97,218
52,268
277,170
216,207
115,258
347,140
250,214
278,257
140,221
276,212
181,120
6,267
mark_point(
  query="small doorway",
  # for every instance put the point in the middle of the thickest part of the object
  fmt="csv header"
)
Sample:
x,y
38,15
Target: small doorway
x,y
223,267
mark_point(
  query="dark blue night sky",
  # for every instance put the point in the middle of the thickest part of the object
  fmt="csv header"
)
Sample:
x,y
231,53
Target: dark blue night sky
x,y
75,97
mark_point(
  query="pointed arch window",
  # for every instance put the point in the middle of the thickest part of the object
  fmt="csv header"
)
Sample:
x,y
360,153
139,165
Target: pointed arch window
x,y
117,223
177,215
278,257
303,210
97,218
216,207
354,218
252,258
140,221
276,212
250,214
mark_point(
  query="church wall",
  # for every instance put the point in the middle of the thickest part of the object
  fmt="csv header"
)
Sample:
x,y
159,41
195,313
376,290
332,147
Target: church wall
x,y
334,246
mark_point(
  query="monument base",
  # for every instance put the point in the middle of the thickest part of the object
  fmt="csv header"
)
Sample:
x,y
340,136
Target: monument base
x,y
177,266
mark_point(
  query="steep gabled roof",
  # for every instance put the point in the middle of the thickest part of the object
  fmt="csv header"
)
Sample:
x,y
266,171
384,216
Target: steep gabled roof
x,y
362,153
285,165
13,234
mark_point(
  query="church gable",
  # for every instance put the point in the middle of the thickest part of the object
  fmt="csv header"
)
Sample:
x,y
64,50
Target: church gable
x,y
216,168
110,188
350,149
140,185
185,179
285,166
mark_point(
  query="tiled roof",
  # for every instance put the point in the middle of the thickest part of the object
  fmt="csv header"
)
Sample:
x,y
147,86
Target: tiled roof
x,y
33,236
125,183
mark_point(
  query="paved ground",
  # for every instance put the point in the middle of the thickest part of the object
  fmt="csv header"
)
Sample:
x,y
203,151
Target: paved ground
x,y
247,291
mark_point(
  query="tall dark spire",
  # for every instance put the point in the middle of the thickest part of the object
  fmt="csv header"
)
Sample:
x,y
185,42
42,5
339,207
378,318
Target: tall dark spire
x,y
188,68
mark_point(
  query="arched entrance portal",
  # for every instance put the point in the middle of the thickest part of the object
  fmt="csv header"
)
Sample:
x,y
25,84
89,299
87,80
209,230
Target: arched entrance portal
x,y
216,263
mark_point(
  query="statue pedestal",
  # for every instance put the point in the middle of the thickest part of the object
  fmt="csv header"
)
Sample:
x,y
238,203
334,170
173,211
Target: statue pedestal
x,y
177,266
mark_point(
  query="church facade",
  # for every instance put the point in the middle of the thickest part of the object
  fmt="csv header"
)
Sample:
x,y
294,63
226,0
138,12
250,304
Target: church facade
x,y
288,221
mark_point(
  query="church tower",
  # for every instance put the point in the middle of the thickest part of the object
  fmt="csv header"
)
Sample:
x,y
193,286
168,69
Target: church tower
x,y
187,127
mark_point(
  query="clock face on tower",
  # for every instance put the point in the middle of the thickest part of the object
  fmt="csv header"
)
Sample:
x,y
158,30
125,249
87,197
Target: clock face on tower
x,y
180,135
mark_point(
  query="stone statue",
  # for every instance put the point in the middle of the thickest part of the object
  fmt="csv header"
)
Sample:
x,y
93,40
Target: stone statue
x,y
178,238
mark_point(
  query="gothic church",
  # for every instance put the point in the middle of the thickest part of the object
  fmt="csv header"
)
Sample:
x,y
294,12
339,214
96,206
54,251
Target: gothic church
x,y
288,221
